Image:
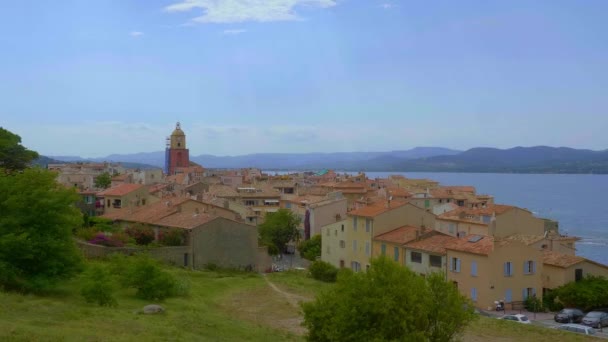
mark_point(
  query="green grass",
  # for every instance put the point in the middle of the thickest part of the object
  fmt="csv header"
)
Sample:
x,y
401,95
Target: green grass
x,y
222,306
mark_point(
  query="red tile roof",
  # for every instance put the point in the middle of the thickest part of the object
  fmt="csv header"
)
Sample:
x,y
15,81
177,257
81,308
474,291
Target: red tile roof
x,y
399,236
434,243
120,190
483,246
185,220
376,209
560,260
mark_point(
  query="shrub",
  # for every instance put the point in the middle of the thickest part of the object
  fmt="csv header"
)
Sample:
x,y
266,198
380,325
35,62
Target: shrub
x,y
323,271
86,234
172,237
591,292
122,237
534,304
104,240
310,249
143,235
151,282
98,287
551,301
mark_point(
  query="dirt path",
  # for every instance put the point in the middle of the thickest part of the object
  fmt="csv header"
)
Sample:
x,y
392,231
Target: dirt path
x,y
292,299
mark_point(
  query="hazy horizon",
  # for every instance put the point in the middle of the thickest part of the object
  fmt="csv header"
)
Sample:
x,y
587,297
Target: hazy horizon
x,y
297,76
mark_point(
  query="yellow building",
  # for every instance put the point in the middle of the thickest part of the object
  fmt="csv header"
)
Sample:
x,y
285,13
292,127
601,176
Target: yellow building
x,y
125,197
488,270
560,269
362,225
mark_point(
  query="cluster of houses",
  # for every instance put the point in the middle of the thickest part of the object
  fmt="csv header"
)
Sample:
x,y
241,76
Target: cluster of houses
x,y
489,251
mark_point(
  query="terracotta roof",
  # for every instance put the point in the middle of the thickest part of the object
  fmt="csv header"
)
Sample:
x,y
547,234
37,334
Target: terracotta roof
x,y
149,213
184,220
376,209
399,236
157,187
560,260
526,239
434,243
484,246
465,188
399,192
177,179
120,190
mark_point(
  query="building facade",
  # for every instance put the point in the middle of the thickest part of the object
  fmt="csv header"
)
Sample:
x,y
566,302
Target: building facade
x,y
176,153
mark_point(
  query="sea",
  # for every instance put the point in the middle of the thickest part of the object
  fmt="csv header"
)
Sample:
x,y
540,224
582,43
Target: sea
x,y
575,201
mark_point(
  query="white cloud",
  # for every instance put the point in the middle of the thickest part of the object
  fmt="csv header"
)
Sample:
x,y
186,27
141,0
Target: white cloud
x,y
136,34
233,11
386,5
234,32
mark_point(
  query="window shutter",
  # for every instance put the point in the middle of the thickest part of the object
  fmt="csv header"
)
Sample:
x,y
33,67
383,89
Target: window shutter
x,y
534,292
511,268
474,268
452,264
474,294
524,294
509,296
457,265
506,271
533,267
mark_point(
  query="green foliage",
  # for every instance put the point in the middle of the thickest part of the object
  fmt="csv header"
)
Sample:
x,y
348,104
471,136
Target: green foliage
x,y
323,271
36,222
98,286
591,292
13,156
534,304
142,234
172,237
103,181
149,279
310,249
86,233
551,302
278,229
388,302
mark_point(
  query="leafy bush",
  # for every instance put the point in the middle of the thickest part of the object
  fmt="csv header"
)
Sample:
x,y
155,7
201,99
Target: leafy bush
x,y
87,233
534,304
104,240
310,249
589,293
98,287
151,282
172,237
142,234
122,237
551,301
323,271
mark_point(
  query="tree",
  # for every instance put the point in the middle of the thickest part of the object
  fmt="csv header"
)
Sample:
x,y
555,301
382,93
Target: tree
x,y
310,249
98,286
589,293
38,215
278,229
13,156
388,302
103,181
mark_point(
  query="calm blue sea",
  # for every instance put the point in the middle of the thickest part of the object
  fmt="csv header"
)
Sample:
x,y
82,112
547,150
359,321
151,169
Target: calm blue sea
x,y
576,201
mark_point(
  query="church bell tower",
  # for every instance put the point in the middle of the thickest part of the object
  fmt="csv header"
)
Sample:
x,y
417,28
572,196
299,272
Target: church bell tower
x,y
176,153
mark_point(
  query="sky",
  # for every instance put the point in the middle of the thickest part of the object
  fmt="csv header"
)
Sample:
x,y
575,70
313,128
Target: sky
x,y
97,77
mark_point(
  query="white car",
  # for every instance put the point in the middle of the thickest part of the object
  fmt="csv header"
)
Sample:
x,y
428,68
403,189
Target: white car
x,y
517,318
577,328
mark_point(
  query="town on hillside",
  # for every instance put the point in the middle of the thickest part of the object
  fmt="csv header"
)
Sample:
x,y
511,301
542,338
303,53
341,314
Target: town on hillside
x,y
492,252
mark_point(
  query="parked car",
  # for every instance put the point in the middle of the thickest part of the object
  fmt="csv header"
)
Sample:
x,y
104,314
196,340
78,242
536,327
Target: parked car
x,y
596,319
577,328
569,316
517,318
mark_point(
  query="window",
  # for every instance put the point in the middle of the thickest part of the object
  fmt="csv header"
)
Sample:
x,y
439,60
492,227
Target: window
x,y
341,263
508,296
249,203
452,228
368,224
455,265
342,244
355,246
435,260
416,257
474,268
367,248
355,266
474,294
396,253
383,249
528,292
508,269
342,227
578,274
529,267
355,223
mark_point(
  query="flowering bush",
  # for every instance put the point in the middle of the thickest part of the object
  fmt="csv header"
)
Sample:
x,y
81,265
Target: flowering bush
x,y
104,240
143,235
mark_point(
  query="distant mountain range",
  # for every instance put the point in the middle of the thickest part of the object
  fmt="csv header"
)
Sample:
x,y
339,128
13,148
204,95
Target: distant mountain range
x,y
539,159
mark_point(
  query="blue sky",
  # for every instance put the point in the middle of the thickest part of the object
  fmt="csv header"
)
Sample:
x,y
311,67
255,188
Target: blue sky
x,y
93,77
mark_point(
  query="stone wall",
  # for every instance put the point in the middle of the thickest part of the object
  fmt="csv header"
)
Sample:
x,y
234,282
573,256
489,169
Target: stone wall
x,y
172,255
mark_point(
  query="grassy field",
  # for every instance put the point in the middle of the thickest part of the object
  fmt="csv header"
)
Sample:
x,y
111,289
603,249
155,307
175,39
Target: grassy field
x,y
222,306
